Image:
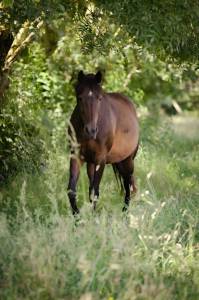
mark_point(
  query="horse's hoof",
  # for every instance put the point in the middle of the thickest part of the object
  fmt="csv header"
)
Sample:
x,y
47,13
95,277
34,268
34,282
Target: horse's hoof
x,y
125,208
75,212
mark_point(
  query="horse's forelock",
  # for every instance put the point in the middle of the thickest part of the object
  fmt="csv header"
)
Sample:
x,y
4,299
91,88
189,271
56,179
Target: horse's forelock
x,y
89,81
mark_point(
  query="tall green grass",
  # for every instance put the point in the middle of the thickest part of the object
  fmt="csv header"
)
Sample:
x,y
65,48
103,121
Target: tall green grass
x,y
149,253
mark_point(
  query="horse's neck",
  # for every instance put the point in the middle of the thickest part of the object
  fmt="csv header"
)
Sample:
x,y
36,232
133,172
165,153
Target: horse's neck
x,y
105,108
106,122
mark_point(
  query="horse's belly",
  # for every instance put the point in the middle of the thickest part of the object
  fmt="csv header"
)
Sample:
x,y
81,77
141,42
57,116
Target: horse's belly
x,y
123,146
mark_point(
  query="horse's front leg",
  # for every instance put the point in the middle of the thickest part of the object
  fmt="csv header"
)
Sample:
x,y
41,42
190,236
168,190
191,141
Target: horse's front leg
x,y
75,165
91,173
95,173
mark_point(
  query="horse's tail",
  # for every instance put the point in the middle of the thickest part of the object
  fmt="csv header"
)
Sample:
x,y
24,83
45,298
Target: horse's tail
x,y
118,178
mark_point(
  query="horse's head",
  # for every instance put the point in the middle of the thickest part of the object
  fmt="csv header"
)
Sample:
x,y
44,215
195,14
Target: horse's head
x,y
89,96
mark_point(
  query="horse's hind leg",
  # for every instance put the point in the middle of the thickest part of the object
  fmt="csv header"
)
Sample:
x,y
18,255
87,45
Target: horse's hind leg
x,y
133,187
126,169
95,175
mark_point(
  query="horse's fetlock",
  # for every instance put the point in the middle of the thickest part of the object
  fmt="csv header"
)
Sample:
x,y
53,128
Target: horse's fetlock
x,y
71,193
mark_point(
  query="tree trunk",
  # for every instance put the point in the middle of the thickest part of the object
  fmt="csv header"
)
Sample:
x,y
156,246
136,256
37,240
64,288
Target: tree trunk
x,y
6,40
4,83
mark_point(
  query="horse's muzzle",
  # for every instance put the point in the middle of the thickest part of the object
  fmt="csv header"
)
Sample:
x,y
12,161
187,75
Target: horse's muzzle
x,y
90,132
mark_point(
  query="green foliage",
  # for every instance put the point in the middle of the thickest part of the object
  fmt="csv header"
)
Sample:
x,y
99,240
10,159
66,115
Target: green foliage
x,y
15,13
167,28
20,144
23,136
41,91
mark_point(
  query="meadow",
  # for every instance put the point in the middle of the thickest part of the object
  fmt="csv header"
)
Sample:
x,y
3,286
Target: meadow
x,y
148,53
149,253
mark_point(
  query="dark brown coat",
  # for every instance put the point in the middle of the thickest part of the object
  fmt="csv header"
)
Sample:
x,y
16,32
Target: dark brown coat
x,y
106,128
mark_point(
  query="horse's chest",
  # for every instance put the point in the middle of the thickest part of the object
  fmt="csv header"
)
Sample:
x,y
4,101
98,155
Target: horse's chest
x,y
91,151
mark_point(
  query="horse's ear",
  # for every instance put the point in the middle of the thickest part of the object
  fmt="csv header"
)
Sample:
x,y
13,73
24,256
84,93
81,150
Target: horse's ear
x,y
80,75
98,77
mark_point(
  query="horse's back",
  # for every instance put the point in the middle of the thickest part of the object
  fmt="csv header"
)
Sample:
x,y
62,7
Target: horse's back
x,y
119,101
126,135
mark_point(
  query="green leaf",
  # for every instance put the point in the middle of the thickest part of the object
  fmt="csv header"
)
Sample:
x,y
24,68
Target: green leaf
x,y
8,3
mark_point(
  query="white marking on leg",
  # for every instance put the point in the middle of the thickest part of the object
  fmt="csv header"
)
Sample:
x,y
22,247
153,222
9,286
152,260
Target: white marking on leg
x,y
95,199
97,168
90,93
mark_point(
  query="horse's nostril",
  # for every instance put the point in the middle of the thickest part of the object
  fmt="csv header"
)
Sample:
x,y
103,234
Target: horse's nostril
x,y
87,130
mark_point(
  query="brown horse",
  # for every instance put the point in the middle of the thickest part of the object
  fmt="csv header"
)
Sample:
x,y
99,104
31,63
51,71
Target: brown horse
x,y
105,126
